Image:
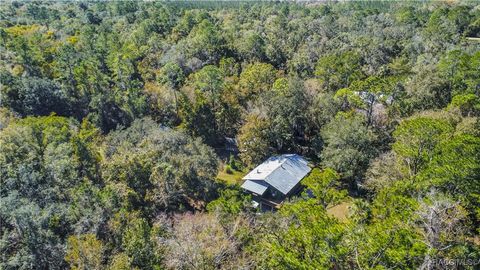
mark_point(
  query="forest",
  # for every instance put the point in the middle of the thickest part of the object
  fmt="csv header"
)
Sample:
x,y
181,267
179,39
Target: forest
x,y
117,121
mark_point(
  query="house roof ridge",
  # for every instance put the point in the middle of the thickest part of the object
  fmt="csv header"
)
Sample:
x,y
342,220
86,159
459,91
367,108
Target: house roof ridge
x,y
281,159
275,184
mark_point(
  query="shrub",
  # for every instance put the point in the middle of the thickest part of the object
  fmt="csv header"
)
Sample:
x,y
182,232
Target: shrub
x,y
228,169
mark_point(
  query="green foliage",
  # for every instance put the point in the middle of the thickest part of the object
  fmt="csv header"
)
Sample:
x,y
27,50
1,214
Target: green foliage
x,y
35,96
454,168
281,125
228,169
84,252
44,149
324,186
255,79
285,103
233,163
458,68
310,239
338,71
138,245
205,42
251,46
230,203
165,170
209,110
416,138
121,262
349,145
252,139
172,75
40,170
89,180
349,98
469,104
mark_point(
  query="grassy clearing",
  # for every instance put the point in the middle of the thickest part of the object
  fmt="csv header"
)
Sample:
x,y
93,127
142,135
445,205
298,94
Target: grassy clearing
x,y
232,179
340,211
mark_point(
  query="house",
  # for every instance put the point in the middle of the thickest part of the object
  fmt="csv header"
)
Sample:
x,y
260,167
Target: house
x,y
271,182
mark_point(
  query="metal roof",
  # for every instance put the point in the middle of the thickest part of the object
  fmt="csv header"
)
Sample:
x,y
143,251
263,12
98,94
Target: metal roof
x,y
258,187
281,172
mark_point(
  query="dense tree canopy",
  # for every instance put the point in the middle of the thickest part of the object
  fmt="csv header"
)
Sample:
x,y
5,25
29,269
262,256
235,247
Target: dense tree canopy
x,y
118,120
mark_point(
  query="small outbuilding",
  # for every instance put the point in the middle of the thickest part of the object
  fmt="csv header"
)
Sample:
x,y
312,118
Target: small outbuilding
x,y
276,179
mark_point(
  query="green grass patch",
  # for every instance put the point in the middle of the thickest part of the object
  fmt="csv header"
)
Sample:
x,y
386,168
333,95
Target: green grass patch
x,y
232,178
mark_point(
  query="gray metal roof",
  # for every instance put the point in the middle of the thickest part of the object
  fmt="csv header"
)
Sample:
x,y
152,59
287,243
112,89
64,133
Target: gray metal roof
x,y
259,187
281,172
